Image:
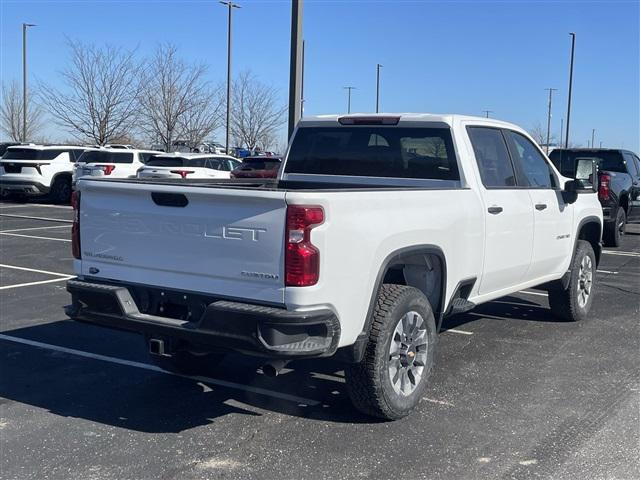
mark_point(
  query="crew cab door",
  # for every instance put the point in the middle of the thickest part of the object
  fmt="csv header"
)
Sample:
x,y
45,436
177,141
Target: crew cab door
x,y
633,167
508,212
553,218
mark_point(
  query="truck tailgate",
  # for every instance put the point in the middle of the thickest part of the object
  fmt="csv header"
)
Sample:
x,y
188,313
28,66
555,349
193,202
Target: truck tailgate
x,y
225,242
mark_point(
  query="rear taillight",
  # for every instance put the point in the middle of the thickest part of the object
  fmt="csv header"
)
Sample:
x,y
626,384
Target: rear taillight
x,y
75,227
182,173
603,187
302,258
106,169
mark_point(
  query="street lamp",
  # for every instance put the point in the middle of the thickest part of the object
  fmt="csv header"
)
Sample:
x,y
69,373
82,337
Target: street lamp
x,y
348,89
573,48
24,79
487,112
230,5
378,87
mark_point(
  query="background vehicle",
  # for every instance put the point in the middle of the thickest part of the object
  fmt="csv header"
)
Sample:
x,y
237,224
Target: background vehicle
x,y
5,145
120,146
618,185
376,228
258,167
39,169
112,162
189,166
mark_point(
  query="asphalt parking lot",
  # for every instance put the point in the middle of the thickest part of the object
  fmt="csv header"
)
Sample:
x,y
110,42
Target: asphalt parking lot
x,y
515,394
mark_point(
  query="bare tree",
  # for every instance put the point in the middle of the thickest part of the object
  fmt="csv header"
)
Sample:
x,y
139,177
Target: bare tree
x,y
256,113
11,114
176,100
539,134
99,102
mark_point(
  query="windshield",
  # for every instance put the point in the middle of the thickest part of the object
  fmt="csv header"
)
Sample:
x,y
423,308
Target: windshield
x,y
374,151
106,157
31,154
566,160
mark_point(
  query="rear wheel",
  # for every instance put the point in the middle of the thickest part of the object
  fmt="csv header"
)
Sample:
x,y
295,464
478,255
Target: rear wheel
x,y
613,231
61,190
390,380
574,302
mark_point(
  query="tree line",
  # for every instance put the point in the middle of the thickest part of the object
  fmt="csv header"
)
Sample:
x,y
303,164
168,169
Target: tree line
x,y
107,94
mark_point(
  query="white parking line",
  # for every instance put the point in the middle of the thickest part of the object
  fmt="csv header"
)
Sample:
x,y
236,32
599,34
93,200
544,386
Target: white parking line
x,y
462,332
46,272
28,217
29,284
153,368
33,228
542,294
624,254
607,271
33,236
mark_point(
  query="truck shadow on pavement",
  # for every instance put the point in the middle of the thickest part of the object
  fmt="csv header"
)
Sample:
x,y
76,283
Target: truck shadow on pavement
x,y
148,401
507,308
136,398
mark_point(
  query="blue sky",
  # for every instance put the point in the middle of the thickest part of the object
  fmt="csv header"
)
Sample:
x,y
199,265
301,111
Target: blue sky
x,y
451,56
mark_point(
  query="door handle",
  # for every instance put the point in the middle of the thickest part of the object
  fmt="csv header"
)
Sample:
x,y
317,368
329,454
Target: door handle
x,y
541,206
494,210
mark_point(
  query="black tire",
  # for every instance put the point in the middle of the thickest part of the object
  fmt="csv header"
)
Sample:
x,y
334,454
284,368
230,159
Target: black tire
x,y
370,383
61,190
614,230
568,303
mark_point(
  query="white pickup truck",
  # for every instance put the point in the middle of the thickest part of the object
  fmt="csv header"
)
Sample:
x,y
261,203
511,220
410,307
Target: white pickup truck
x,y
376,228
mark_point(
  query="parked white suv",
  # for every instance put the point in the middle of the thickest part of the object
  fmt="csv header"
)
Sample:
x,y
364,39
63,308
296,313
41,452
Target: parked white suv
x,y
39,169
188,166
112,162
376,228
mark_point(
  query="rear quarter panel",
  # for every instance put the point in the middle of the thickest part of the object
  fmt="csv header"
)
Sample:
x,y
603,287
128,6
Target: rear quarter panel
x,y
362,228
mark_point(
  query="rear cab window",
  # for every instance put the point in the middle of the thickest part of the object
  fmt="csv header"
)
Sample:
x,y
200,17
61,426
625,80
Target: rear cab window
x,y
106,157
608,160
374,151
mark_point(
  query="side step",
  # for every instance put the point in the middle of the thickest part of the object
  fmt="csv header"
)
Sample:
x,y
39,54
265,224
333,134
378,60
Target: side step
x,y
460,305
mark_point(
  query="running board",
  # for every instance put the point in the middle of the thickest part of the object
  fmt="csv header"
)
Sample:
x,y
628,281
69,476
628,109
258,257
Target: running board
x,y
460,305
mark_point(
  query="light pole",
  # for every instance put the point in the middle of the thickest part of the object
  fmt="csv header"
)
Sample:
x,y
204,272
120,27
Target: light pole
x,y
24,79
348,89
551,90
593,138
561,131
230,5
573,49
378,87
487,112
295,66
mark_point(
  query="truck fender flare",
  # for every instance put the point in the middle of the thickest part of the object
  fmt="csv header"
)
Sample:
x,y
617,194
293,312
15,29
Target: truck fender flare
x,y
356,351
597,249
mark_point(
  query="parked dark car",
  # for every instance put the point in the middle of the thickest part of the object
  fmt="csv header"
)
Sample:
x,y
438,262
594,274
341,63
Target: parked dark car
x,y
618,185
258,167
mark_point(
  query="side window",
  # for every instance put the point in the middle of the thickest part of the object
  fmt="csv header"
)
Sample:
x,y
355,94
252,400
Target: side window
x,y
214,164
631,164
492,156
530,162
637,164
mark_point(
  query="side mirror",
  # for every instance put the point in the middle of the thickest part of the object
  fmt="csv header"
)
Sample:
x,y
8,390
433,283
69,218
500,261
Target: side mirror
x,y
586,180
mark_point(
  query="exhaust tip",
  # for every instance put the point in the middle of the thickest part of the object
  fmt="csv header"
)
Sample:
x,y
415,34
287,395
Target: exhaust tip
x,y
272,369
